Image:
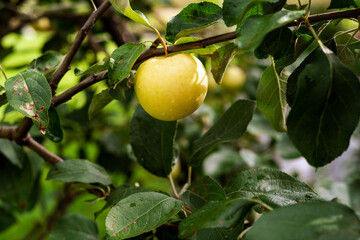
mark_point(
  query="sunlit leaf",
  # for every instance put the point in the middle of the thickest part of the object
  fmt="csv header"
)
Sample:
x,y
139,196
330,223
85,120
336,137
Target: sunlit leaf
x,y
123,7
271,186
140,213
325,220
119,194
122,60
97,67
192,18
202,51
271,97
220,60
29,93
78,170
46,64
201,191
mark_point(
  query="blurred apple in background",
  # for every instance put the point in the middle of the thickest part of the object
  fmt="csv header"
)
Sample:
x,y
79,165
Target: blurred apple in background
x,y
233,79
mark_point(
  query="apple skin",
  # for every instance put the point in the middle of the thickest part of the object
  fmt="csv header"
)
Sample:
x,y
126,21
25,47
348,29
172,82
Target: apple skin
x,y
170,88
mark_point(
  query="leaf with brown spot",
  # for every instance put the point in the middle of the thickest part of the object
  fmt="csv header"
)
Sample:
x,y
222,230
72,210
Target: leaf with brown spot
x,y
29,93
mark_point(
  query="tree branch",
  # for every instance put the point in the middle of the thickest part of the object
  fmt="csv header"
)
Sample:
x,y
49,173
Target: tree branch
x,y
41,150
203,43
68,94
65,64
11,133
115,26
22,130
26,124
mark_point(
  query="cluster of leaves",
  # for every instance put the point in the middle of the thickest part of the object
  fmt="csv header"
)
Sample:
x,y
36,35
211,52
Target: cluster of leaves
x,y
322,93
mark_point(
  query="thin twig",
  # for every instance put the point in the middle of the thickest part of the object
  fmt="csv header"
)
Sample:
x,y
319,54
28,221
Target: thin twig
x,y
10,132
22,130
151,52
3,72
173,188
203,43
68,94
189,175
65,64
41,150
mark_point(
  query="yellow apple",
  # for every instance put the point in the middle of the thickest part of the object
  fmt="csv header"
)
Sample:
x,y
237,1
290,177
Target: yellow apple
x,y
234,77
170,88
211,81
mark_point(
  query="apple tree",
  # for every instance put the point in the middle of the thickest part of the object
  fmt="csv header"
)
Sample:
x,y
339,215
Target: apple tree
x,y
82,159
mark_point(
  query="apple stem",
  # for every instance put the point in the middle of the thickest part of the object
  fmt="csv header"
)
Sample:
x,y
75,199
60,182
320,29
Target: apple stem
x,y
164,44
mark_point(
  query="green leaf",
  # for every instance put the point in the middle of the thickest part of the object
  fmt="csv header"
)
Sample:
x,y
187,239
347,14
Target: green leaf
x,y
271,97
6,219
202,51
271,186
279,43
122,60
285,148
98,102
192,18
348,48
140,213
16,185
78,170
217,233
257,27
46,64
54,131
123,7
216,214
315,221
234,10
118,93
336,4
153,142
301,43
271,7
201,191
12,152
229,127
29,93
3,99
324,96
119,194
75,226
97,67
220,60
